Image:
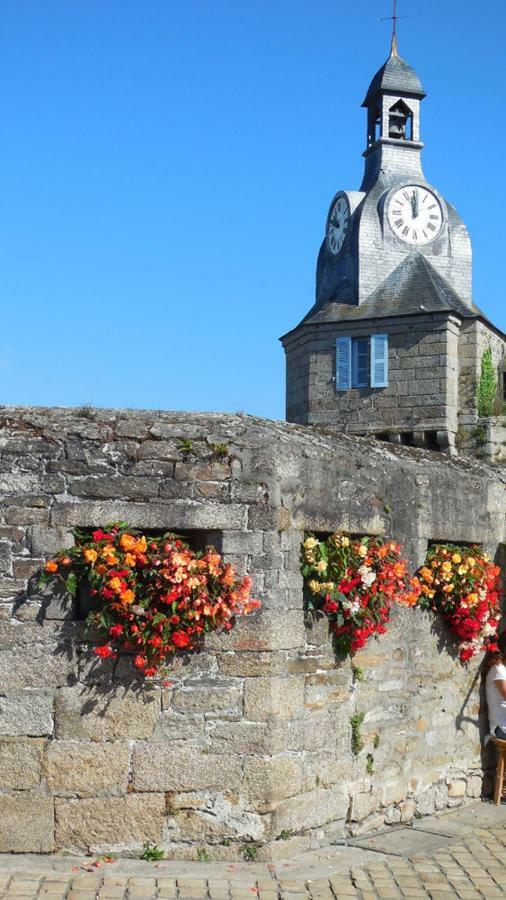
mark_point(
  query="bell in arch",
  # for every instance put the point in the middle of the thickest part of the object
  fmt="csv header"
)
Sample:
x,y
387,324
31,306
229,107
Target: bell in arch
x,y
400,120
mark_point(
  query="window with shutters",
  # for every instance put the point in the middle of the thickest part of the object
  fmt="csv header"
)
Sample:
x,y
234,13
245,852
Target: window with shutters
x,y
361,362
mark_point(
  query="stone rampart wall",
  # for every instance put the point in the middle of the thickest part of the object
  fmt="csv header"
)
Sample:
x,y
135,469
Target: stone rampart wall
x,y
251,746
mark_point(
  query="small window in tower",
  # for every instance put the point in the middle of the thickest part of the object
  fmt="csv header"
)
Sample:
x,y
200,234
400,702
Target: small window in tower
x,y
362,362
400,122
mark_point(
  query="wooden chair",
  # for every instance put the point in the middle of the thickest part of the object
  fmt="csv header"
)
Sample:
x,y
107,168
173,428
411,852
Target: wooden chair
x,y
499,771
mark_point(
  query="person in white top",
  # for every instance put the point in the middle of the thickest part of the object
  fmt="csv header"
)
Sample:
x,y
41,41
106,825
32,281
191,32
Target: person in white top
x,y
495,686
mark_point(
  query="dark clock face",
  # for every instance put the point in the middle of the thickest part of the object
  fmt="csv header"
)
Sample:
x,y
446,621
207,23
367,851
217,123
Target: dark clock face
x,y
415,214
338,223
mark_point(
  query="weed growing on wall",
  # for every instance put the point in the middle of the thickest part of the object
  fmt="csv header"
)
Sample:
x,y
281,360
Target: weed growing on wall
x,y
487,385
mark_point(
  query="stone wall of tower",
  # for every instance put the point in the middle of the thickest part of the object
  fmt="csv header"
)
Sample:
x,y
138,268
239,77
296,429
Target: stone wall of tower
x,y
423,377
475,338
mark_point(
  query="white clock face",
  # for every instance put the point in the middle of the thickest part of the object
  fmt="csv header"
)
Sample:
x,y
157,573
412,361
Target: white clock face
x,y
338,223
415,214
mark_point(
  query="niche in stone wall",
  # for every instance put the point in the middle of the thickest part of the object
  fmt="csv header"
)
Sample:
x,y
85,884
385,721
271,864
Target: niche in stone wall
x,y
57,604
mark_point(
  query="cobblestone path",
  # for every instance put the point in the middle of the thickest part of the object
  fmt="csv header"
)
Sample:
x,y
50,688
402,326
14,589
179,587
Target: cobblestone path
x,y
470,866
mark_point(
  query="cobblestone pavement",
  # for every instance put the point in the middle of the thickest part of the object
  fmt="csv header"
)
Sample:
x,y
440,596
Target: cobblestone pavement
x,y
462,855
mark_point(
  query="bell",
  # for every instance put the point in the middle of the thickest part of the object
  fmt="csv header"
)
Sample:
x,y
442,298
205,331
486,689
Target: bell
x,y
397,127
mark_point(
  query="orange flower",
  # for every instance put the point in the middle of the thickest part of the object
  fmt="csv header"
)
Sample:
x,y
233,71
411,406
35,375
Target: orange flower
x,y
90,555
130,560
51,566
140,545
115,585
127,597
127,542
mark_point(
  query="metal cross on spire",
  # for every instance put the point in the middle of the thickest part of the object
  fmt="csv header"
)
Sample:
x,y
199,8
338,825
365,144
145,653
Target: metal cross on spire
x,y
394,19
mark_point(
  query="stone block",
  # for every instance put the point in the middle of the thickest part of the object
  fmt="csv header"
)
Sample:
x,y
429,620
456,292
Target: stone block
x,y
172,516
87,769
158,767
5,558
210,696
457,788
110,824
238,737
310,810
45,542
26,713
25,568
20,763
267,781
36,656
90,714
174,726
112,487
251,663
220,817
274,698
26,823
267,629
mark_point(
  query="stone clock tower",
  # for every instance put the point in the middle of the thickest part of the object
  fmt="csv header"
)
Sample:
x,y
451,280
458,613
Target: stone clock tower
x,y
393,344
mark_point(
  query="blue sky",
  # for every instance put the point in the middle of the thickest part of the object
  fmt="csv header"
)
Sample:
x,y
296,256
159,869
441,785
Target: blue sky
x,y
166,171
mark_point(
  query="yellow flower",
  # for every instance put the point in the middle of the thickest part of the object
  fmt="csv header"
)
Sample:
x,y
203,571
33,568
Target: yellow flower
x,y
470,561
115,585
345,542
462,570
321,567
90,555
362,550
310,542
456,558
447,566
314,586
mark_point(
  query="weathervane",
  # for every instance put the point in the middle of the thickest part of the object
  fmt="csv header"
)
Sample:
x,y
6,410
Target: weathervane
x,y
394,19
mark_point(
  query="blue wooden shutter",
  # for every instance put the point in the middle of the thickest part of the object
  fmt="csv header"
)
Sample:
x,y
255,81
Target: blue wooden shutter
x,y
379,360
343,364
360,362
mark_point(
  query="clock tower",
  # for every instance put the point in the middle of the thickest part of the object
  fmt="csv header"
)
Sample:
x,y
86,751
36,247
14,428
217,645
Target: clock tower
x,y
392,346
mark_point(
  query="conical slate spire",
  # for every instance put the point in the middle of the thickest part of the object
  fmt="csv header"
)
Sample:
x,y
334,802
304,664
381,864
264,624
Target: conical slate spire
x,y
395,77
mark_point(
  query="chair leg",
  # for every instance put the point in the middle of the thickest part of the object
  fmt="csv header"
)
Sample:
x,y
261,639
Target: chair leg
x,y
499,775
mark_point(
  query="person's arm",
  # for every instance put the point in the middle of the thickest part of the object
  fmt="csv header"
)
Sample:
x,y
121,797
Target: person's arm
x,y
501,687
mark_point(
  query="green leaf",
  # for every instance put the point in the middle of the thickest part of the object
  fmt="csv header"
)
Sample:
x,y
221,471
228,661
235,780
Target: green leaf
x,y
71,584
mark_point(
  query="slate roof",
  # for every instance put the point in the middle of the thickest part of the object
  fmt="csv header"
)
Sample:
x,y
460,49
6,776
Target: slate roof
x,y
414,287
396,77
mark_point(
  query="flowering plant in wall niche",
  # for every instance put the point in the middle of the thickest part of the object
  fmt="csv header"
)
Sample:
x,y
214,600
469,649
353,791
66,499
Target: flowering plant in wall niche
x,y
154,595
463,585
355,582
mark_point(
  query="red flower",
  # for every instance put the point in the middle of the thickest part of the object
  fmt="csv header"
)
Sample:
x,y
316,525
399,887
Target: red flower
x,y
140,662
104,652
100,535
180,639
116,630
